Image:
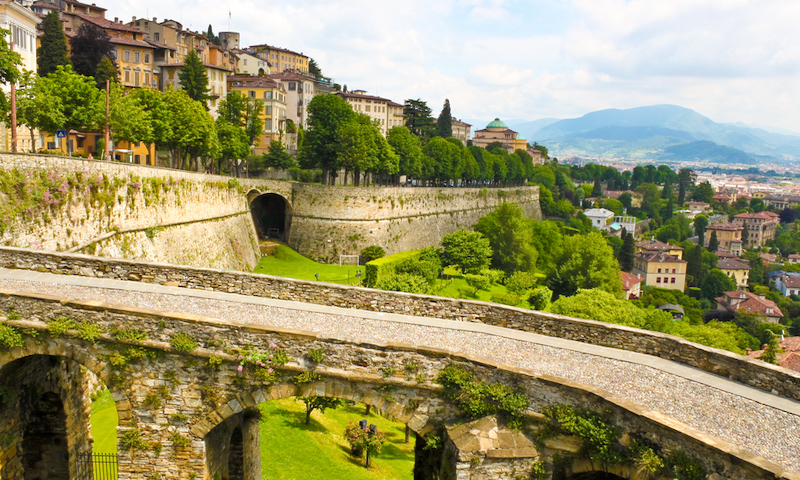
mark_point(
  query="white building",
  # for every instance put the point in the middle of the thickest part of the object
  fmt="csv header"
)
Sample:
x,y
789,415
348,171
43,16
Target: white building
x,y
248,64
600,217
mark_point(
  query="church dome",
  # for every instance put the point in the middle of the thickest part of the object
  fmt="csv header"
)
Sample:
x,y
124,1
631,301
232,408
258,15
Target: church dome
x,y
496,123
520,137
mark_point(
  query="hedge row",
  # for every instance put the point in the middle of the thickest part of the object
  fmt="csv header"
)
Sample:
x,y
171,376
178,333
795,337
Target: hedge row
x,y
377,269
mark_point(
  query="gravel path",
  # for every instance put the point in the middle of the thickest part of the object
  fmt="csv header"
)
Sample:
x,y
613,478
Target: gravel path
x,y
765,431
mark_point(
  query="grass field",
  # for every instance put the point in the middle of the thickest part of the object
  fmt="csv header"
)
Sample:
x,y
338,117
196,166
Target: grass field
x,y
104,424
288,263
290,450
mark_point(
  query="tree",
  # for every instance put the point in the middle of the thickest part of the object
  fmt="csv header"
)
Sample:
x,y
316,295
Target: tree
x,y
408,149
193,77
713,243
82,104
651,200
326,114
627,252
129,120
313,68
584,262
716,283
469,252
153,102
233,143
106,70
319,403
700,224
37,106
770,354
52,52
88,47
192,131
602,306
9,70
509,235
703,193
356,149
444,124
278,157
745,234
418,118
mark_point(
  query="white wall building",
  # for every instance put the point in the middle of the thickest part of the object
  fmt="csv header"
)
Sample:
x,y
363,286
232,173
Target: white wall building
x,y
600,217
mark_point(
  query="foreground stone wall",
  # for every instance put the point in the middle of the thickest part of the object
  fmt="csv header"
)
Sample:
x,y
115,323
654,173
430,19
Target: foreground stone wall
x,y
196,397
748,371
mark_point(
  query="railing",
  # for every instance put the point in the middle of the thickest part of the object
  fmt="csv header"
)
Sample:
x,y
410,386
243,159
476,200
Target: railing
x,y
97,466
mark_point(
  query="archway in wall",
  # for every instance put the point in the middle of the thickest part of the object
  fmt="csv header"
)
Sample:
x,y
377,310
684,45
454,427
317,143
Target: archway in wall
x,y
271,216
236,455
45,452
594,476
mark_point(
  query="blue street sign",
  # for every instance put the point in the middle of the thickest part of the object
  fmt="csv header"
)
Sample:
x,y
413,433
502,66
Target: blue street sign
x,y
61,133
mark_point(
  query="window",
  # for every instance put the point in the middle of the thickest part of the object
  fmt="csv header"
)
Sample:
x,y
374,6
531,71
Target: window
x,y
146,58
245,61
673,270
267,124
127,56
156,36
147,78
268,95
658,280
127,76
366,109
136,57
659,270
673,280
252,93
268,110
80,143
292,86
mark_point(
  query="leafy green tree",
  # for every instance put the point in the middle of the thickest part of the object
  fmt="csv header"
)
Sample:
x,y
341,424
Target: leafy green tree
x,y
254,124
509,233
713,243
469,252
10,62
716,283
418,118
192,131
626,199
520,282
194,79
278,157
540,297
233,142
700,224
602,306
82,104
318,403
770,354
703,193
695,269
88,47
444,124
233,108
651,200
106,70
356,149
326,115
52,51
153,102
627,252
686,179
129,120
585,262
313,69
37,107
408,149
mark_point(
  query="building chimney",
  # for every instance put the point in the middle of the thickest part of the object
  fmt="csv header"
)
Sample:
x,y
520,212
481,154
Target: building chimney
x,y
116,19
154,19
133,18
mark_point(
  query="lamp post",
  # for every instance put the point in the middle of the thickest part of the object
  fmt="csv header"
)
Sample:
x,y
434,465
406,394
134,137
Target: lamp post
x,y
370,433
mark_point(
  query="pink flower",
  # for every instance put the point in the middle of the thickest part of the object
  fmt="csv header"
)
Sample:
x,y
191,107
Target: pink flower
x,y
241,357
270,355
269,371
249,359
240,368
272,345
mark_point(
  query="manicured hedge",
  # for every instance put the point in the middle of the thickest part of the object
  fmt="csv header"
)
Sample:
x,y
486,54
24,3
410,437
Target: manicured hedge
x,y
382,266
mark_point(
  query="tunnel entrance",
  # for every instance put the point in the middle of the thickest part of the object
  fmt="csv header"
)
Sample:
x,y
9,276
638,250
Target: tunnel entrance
x,y
271,216
594,476
45,454
236,456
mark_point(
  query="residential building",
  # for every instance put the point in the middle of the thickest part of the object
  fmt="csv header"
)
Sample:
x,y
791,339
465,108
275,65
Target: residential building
x,y
788,285
281,59
461,130
654,246
729,236
789,358
738,270
698,207
631,285
388,113
721,198
498,131
660,270
249,64
760,227
600,217
300,89
621,223
781,201
273,97
743,301
768,258
21,22
636,198
793,259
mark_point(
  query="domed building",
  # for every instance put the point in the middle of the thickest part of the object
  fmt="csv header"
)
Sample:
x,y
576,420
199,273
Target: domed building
x,y
498,131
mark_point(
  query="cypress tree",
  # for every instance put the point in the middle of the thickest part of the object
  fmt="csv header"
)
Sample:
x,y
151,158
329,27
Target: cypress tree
x,y
194,79
745,234
106,70
444,124
695,271
713,243
53,49
627,252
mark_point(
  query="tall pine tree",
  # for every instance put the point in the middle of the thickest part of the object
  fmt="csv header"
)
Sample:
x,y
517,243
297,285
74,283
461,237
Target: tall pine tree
x,y
194,79
627,252
713,242
53,50
444,124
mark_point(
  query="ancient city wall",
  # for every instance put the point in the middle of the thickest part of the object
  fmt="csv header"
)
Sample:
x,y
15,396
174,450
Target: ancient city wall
x,y
758,374
204,397
329,221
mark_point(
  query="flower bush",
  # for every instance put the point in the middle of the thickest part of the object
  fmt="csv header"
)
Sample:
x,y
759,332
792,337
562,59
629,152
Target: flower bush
x,y
263,363
361,440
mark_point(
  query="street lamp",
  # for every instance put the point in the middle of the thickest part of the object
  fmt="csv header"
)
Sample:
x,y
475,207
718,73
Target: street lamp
x,y
370,433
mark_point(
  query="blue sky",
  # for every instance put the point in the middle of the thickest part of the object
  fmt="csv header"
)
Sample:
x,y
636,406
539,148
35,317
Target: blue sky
x,y
731,60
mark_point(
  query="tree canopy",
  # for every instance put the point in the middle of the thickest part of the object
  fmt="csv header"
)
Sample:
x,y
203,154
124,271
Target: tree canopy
x,y
444,124
88,47
193,77
467,251
53,50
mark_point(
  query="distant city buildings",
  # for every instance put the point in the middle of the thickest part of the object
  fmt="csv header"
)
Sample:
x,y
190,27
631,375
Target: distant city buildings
x,y
761,227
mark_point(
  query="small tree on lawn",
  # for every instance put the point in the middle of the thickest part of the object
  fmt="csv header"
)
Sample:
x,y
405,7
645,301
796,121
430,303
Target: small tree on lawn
x,y
319,403
468,251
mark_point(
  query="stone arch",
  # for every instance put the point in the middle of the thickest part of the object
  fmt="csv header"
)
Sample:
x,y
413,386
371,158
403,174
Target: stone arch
x,y
271,213
236,455
586,469
45,450
419,420
80,356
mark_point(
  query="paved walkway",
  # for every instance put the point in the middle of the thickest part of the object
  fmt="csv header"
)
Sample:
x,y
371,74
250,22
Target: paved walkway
x,y
762,423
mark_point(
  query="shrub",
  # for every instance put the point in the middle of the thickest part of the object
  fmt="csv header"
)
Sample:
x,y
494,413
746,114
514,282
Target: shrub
x,y
477,399
520,282
373,252
60,325
403,282
506,298
478,282
362,440
467,292
425,269
540,297
316,355
495,276
129,334
10,337
132,440
377,269
89,331
183,342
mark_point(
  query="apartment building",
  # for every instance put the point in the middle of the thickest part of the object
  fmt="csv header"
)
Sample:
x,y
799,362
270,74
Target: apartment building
x,y
461,130
729,236
660,270
300,89
388,113
281,59
736,269
761,227
249,64
273,97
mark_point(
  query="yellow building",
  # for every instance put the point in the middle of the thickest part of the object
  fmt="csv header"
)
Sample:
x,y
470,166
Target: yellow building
x,y
660,270
654,246
736,269
729,236
387,113
498,131
85,144
281,59
273,96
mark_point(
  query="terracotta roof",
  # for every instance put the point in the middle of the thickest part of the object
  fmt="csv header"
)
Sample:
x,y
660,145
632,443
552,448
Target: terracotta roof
x,y
791,281
659,257
768,257
73,2
657,246
242,81
278,49
731,263
107,24
722,253
358,95
790,358
629,280
725,226
290,75
395,104
207,65
122,40
794,256
742,300
761,215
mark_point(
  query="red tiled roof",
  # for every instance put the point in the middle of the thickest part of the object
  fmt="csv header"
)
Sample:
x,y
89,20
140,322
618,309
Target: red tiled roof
x,y
657,246
762,215
659,257
290,75
731,263
791,344
629,280
750,302
255,82
122,40
358,95
107,24
725,227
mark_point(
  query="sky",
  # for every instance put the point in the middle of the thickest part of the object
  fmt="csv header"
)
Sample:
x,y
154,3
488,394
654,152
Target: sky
x,y
731,60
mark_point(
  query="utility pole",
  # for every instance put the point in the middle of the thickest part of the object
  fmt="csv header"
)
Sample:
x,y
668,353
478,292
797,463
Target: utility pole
x,y
13,113
106,155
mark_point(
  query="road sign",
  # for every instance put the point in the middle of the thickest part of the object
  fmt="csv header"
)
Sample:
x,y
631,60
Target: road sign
x,y
61,133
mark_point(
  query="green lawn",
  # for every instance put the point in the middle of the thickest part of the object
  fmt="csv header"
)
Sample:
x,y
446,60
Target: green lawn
x,y
290,450
104,423
449,287
288,263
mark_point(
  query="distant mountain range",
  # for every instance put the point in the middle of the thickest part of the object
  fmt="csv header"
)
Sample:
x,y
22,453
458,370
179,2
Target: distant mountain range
x,y
658,132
